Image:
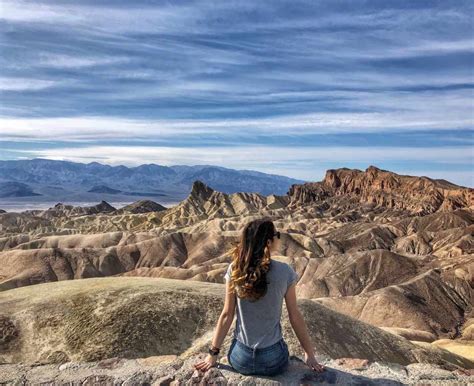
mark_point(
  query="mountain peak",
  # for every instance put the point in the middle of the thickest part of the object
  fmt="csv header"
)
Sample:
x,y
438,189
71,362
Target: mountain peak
x,y
141,206
373,168
200,190
104,206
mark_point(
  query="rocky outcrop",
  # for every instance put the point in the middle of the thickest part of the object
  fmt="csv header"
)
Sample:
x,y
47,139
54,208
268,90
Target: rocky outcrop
x,y
204,203
416,195
141,206
62,210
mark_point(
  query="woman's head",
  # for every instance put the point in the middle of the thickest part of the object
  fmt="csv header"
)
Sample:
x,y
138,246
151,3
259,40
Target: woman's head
x,y
251,258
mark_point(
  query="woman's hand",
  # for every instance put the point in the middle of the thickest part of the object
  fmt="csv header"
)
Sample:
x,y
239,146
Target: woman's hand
x,y
207,363
313,363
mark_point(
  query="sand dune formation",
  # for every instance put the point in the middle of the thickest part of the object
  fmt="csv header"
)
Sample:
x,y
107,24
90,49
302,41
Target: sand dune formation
x,y
385,264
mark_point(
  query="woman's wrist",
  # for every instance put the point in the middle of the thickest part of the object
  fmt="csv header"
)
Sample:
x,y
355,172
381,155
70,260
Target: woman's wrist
x,y
213,350
309,354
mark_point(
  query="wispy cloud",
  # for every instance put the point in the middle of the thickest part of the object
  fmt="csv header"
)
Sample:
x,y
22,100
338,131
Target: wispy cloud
x,y
97,128
24,84
65,61
249,155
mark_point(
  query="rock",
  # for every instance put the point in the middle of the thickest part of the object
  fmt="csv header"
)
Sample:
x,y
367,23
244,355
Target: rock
x,y
461,347
8,332
164,381
211,377
353,363
157,360
418,195
397,369
423,371
138,378
327,377
411,334
141,206
95,380
69,366
200,190
110,363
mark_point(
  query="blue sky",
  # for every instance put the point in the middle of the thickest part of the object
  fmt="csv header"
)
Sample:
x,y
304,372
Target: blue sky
x,y
292,88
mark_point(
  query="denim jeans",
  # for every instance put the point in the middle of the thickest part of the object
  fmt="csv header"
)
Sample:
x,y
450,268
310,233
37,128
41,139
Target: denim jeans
x,y
270,360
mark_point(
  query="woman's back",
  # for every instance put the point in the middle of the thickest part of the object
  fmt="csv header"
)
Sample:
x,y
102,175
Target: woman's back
x,y
258,323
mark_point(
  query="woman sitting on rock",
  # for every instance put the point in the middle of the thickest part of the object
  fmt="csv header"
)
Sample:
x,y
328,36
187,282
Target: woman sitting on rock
x,y
257,284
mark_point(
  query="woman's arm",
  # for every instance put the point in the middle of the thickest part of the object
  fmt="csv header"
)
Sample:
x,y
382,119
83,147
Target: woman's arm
x,y
299,326
222,328
297,320
223,324
226,318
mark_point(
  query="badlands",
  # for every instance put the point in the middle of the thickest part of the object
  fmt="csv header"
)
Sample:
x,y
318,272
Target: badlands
x,y
99,295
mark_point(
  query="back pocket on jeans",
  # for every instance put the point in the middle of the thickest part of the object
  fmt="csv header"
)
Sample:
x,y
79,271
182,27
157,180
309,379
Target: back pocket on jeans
x,y
274,358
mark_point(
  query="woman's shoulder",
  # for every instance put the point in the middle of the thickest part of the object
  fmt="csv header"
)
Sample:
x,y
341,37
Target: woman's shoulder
x,y
280,264
275,264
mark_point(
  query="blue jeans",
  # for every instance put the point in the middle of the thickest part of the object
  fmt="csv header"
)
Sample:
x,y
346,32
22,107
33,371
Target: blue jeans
x,y
270,360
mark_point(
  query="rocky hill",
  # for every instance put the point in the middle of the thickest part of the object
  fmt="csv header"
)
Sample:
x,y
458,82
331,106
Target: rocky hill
x,y
159,327
416,195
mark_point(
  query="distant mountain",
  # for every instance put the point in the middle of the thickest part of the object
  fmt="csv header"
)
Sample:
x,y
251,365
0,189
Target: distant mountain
x,y
104,189
107,190
94,181
16,189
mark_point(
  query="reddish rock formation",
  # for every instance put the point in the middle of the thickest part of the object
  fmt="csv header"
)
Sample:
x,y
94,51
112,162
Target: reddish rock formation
x,y
417,195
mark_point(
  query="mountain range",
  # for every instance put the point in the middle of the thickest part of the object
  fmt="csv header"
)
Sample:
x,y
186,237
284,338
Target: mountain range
x,y
44,180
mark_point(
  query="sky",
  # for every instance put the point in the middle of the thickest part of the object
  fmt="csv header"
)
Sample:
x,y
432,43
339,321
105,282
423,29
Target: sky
x,y
283,87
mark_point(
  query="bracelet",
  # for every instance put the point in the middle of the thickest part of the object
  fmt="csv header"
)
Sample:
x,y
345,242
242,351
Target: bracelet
x,y
214,350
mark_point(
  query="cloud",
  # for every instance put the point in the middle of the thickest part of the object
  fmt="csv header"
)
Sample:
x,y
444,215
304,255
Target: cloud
x,y
65,61
22,84
250,154
106,128
236,71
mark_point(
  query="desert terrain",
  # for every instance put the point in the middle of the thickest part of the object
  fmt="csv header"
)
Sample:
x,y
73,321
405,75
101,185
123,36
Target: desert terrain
x,y
386,283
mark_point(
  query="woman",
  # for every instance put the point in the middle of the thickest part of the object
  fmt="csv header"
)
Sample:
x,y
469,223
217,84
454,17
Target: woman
x,y
257,286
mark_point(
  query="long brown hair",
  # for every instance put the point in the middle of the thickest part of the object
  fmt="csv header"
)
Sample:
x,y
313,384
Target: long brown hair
x,y
251,260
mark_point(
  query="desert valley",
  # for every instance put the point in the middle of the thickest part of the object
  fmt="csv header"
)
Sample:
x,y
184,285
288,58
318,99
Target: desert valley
x,y
132,294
